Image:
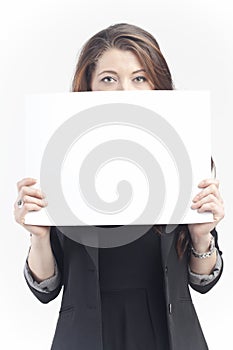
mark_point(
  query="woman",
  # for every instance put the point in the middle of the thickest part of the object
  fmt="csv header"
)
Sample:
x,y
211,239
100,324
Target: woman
x,y
137,297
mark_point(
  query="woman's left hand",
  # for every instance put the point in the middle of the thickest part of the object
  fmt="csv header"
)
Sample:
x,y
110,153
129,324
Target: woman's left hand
x,y
208,200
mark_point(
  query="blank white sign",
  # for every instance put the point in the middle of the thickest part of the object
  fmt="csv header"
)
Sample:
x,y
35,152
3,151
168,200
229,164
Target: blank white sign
x,y
118,158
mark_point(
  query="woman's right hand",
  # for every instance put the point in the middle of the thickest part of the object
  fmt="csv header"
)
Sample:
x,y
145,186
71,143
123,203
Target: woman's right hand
x,y
33,199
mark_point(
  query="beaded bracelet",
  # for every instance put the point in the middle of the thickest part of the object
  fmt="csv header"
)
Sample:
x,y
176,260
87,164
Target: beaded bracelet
x,y
212,249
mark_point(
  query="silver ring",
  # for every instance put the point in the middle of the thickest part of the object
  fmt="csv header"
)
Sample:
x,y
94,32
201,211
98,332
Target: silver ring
x,y
20,203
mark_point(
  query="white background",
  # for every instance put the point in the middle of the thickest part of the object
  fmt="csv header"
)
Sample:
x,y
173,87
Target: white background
x,y
40,42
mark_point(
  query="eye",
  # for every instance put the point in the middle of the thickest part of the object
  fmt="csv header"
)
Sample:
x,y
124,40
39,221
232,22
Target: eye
x,y
140,79
108,79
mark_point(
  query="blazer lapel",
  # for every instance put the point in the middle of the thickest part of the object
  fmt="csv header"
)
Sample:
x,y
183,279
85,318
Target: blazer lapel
x,y
166,243
94,255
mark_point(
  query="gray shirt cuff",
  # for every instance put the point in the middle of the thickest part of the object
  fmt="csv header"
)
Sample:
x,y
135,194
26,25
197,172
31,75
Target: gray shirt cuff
x,y
203,280
45,286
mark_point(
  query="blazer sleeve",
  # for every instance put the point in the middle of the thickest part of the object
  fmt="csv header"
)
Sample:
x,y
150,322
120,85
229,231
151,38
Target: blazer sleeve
x,y
47,285
205,287
46,295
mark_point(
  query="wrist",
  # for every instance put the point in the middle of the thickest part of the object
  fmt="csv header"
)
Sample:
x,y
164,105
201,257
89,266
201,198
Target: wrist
x,y
207,253
38,241
201,243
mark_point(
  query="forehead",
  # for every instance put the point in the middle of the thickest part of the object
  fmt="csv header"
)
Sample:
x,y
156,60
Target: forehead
x,y
118,58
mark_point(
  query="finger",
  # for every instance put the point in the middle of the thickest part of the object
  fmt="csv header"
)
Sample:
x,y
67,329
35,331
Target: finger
x,y
207,199
30,191
218,212
20,220
40,202
20,213
27,199
29,207
208,182
27,181
211,189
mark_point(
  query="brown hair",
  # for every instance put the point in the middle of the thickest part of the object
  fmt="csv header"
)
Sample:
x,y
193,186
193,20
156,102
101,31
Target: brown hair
x,y
125,36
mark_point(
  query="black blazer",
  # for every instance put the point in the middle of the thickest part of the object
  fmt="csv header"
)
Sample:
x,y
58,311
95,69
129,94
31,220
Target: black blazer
x,y
79,322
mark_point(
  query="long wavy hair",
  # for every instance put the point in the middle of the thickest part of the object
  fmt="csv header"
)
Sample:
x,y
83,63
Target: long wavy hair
x,y
125,36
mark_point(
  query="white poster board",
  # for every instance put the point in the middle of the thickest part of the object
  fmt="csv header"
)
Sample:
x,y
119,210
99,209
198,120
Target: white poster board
x,y
118,158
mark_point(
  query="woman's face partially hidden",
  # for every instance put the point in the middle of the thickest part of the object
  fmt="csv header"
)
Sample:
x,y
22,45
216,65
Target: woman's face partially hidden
x,y
120,70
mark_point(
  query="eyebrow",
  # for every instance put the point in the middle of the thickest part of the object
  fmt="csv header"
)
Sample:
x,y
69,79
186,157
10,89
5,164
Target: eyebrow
x,y
113,72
